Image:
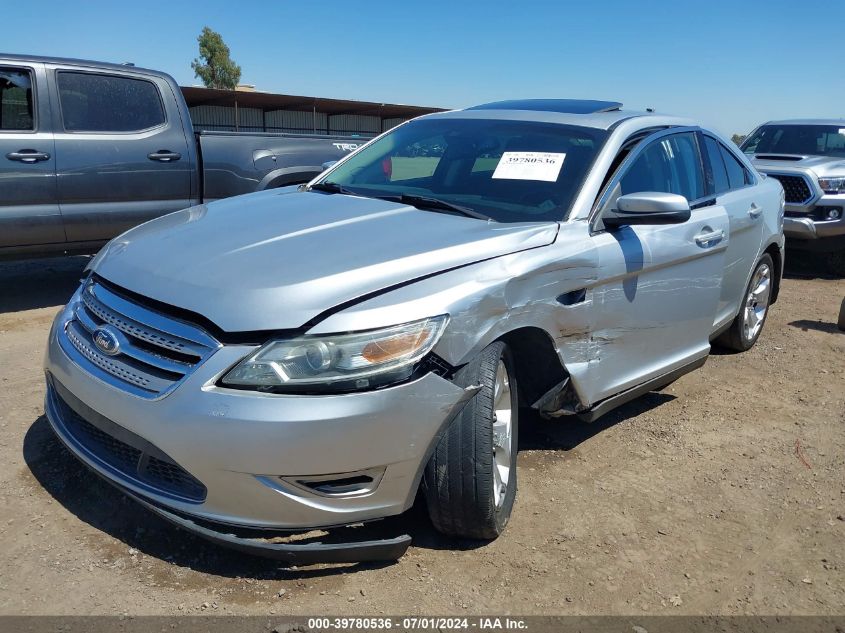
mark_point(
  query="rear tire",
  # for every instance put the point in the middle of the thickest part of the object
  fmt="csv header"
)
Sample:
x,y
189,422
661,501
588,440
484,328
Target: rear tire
x,y
470,480
748,324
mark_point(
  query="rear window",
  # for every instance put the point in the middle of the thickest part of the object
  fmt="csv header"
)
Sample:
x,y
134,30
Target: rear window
x,y
16,100
107,103
737,173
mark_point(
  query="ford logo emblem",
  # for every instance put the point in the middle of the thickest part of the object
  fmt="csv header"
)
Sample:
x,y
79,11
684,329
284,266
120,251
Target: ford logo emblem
x,y
106,340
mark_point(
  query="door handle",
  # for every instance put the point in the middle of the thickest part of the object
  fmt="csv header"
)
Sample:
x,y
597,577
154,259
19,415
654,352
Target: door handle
x,y
710,238
755,211
28,156
164,156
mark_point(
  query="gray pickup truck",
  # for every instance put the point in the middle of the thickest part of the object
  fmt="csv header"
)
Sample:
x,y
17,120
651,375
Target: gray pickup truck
x,y
89,150
808,158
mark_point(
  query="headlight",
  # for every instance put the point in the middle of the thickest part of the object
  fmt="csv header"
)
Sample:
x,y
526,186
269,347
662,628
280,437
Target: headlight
x,y
339,362
833,185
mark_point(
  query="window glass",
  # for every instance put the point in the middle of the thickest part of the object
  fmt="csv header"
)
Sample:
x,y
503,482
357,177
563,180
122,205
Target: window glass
x,y
737,173
104,103
15,100
717,164
669,165
818,140
511,171
415,160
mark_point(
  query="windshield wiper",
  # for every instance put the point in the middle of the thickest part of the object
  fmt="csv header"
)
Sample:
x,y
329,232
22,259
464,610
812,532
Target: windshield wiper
x,y
330,187
420,202
435,204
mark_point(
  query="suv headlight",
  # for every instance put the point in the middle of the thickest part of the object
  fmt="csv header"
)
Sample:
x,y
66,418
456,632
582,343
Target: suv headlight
x,y
833,185
338,362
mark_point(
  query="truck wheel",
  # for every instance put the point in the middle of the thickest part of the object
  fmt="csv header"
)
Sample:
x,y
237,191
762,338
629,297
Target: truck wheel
x,y
748,324
470,480
836,262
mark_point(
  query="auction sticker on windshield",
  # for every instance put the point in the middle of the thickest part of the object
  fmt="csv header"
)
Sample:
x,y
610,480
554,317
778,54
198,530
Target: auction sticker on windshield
x,y
529,166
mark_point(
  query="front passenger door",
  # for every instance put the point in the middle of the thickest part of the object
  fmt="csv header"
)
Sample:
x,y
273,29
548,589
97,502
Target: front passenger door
x,y
659,284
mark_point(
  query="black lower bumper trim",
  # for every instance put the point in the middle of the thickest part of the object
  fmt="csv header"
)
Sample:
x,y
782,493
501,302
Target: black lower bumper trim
x,y
383,550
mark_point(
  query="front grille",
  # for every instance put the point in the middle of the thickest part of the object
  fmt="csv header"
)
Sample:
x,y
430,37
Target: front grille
x,y
132,456
152,352
796,188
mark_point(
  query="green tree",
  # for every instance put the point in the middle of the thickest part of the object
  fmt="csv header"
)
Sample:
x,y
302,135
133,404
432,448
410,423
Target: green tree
x,y
738,138
214,66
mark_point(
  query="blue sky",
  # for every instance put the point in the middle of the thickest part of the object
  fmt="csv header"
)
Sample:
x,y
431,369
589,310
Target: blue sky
x,y
729,64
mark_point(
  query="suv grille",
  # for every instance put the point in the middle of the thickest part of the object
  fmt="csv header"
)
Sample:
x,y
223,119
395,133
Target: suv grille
x,y
796,188
126,344
132,456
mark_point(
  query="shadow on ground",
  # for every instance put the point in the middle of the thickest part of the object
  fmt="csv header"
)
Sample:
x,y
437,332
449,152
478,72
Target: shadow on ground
x,y
806,265
39,283
105,508
820,326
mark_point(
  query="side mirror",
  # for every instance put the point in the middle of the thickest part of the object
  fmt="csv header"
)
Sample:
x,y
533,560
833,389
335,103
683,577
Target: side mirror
x,y
328,164
648,207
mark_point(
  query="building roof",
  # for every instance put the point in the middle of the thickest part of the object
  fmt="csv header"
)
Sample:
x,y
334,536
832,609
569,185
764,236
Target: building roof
x,y
195,96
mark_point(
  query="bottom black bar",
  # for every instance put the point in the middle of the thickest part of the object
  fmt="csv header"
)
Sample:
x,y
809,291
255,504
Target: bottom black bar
x,y
409,624
296,554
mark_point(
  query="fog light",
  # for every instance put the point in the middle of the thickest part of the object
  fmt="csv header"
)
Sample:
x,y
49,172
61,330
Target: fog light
x,y
834,214
354,484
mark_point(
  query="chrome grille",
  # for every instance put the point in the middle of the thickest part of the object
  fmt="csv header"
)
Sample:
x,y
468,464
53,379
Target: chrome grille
x,y
153,352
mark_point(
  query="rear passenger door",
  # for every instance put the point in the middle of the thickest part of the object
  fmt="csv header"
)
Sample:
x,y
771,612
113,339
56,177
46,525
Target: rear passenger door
x,y
29,210
121,151
732,184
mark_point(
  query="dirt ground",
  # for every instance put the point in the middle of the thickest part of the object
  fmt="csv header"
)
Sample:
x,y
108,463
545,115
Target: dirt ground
x,y
723,494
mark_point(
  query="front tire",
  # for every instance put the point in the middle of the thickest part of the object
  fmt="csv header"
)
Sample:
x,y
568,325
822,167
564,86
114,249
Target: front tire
x,y
748,324
470,480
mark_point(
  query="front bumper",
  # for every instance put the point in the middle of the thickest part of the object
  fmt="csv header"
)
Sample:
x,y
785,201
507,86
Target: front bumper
x,y
246,447
808,228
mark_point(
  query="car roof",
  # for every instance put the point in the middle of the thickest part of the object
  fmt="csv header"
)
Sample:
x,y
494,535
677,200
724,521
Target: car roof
x,y
602,119
40,59
807,122
564,106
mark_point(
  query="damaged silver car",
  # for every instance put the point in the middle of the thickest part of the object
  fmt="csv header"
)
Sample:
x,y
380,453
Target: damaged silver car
x,y
316,356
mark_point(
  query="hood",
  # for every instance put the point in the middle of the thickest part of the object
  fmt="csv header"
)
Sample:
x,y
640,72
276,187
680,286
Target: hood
x,y
821,165
275,260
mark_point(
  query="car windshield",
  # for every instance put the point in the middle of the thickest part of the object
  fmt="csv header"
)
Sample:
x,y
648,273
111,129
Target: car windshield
x,y
816,140
508,171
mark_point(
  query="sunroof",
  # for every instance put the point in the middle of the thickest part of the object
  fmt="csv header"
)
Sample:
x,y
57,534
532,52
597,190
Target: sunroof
x,y
564,106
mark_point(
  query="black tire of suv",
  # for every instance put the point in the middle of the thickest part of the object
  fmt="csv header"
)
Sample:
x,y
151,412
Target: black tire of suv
x,y
734,337
836,263
458,479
